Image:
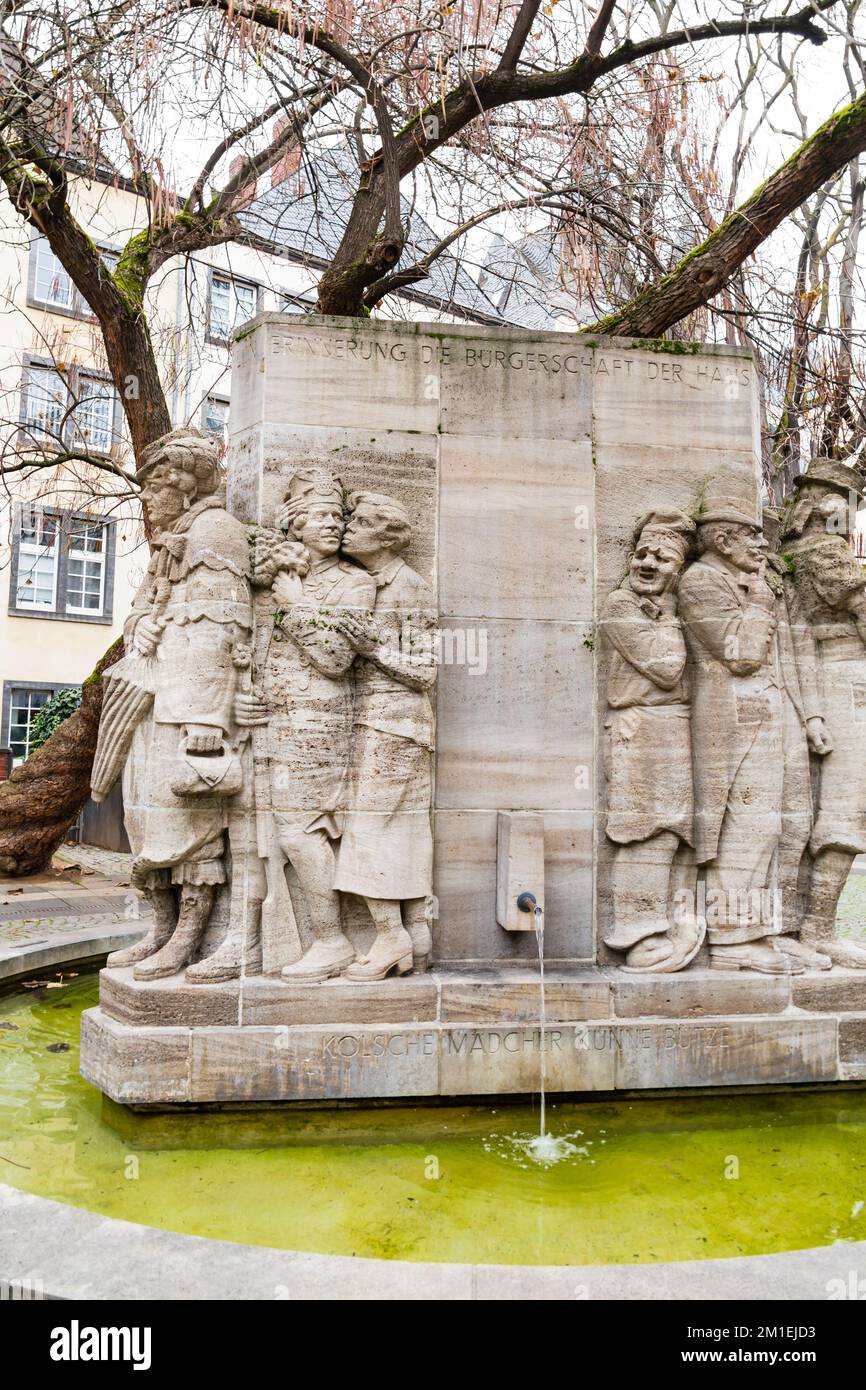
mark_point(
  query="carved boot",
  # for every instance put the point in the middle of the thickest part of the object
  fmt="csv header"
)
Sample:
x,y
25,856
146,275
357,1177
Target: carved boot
x,y
755,955
195,909
390,951
322,961
418,928
829,876
164,907
850,954
812,958
224,963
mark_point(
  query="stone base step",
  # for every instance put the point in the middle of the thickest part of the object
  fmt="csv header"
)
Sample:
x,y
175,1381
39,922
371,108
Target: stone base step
x,y
157,1066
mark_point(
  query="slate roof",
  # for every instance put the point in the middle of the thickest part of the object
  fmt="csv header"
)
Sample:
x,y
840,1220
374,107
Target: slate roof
x,y
524,280
305,215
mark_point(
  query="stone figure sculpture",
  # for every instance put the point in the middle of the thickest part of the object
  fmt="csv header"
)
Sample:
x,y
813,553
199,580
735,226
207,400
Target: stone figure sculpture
x,y
385,854
827,592
647,749
729,615
803,733
303,697
168,711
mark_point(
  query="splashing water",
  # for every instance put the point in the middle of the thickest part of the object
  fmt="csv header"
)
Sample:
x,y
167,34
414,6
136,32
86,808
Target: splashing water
x,y
543,1147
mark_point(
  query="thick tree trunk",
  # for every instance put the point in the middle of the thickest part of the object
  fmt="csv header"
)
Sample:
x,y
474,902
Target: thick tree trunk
x,y
707,269
44,795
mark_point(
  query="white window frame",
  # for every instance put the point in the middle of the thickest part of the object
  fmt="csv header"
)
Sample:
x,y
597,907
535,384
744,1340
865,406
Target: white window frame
x,y
43,253
213,398
71,407
216,334
37,550
87,557
75,431
76,306
28,690
36,372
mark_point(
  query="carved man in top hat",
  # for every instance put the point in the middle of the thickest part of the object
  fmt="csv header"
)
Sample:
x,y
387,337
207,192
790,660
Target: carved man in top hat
x,y
386,852
803,733
304,675
827,590
729,614
167,716
647,749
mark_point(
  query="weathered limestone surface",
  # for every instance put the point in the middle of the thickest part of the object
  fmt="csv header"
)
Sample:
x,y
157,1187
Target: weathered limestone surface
x,y
481,615
342,1061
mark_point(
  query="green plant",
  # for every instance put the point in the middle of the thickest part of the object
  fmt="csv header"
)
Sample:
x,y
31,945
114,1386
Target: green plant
x,y
52,713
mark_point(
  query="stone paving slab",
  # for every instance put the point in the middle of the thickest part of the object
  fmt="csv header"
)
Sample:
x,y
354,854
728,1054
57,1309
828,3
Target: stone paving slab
x,y
79,911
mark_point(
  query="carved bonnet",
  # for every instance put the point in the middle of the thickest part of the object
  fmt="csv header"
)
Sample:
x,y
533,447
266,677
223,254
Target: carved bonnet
x,y
190,454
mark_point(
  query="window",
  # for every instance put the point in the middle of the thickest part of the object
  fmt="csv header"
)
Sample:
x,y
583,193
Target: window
x,y
93,416
232,302
23,708
46,396
294,303
85,567
215,417
62,566
22,701
37,562
81,411
50,285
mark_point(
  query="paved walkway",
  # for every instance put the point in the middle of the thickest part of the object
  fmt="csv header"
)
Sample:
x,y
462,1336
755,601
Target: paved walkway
x,y
82,906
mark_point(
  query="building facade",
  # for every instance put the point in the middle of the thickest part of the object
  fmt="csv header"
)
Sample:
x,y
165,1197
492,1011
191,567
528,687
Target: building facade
x,y
73,551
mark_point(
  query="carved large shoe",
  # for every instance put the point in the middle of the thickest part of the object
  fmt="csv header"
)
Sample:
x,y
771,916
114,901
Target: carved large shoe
x,y
223,964
811,956
322,961
388,952
667,952
755,955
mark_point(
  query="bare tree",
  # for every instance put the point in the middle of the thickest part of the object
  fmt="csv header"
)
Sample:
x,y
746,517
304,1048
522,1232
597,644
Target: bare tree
x,y
476,113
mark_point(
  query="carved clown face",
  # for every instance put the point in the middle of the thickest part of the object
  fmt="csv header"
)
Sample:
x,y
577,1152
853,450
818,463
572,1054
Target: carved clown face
x,y
655,564
320,528
163,495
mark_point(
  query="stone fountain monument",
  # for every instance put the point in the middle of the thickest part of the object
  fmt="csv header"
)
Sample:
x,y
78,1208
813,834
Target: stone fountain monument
x,y
484,629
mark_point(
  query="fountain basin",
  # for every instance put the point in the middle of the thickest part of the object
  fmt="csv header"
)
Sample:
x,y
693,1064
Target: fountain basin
x,y
644,1181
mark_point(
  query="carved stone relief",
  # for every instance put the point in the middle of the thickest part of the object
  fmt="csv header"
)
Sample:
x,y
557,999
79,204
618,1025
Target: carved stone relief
x,y
733,684
273,717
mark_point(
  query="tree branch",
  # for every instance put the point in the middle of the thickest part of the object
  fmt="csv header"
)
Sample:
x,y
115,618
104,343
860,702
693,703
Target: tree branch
x,y
702,273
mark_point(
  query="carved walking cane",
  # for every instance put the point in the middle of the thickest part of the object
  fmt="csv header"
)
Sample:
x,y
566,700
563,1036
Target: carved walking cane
x,y
281,940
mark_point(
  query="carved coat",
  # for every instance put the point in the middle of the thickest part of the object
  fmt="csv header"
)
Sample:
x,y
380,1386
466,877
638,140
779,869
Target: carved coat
x,y
304,667
386,850
826,578
736,692
197,584
647,748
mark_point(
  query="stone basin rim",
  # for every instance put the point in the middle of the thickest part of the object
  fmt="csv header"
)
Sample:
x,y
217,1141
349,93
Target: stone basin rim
x,y
51,1242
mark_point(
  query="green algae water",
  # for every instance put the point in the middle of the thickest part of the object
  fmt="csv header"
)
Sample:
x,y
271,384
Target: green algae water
x,y
643,1180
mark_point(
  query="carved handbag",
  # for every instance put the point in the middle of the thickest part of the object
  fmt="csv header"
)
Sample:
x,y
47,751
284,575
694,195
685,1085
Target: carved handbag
x,y
201,774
